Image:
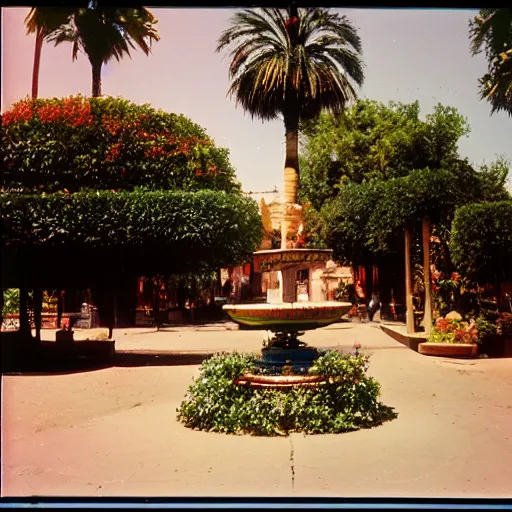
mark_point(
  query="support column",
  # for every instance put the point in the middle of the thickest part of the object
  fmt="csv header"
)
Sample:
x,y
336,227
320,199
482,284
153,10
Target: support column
x,y
408,283
427,319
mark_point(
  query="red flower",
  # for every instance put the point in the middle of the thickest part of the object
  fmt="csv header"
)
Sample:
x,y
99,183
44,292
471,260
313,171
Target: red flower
x,y
199,172
21,111
123,172
455,276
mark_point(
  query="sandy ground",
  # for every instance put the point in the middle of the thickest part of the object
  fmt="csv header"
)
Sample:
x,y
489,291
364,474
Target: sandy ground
x,y
113,431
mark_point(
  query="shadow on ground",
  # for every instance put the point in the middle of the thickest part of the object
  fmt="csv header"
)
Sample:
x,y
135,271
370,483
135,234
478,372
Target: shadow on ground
x,y
46,362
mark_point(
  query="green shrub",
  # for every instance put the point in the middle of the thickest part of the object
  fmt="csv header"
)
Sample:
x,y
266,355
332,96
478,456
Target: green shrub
x,y
107,143
481,241
11,303
347,401
135,229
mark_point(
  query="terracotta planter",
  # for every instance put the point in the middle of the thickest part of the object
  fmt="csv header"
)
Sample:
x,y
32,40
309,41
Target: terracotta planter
x,y
448,349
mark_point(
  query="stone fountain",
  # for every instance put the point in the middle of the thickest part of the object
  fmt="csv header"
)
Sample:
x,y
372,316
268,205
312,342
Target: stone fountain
x,y
289,310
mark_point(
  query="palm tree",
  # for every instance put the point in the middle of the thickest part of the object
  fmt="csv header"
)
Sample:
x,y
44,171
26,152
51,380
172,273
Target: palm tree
x,y
43,21
106,33
491,31
292,63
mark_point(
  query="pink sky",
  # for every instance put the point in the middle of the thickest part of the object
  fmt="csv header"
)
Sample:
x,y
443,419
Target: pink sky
x,y
409,55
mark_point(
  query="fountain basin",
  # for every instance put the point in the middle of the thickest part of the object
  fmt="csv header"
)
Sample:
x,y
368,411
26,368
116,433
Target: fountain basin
x,y
291,316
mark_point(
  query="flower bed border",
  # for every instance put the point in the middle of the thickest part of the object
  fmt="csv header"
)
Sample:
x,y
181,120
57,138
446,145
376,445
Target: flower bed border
x,y
448,349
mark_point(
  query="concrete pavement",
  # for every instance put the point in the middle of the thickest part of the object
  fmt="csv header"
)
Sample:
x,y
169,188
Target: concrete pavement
x,y
113,431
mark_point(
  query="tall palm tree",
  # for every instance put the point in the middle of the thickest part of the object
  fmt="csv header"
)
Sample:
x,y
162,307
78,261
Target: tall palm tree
x,y
491,31
292,63
106,33
43,21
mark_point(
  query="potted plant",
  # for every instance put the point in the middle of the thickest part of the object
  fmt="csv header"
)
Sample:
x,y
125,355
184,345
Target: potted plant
x,y
451,337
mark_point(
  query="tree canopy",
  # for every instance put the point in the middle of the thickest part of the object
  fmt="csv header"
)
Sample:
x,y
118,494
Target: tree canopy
x,y
294,64
79,143
378,167
103,33
135,190
491,32
135,233
376,141
481,242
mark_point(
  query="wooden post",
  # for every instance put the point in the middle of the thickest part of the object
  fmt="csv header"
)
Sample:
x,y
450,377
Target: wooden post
x,y
24,320
427,319
408,283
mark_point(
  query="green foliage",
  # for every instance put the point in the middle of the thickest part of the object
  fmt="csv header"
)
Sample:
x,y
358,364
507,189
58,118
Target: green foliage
x,y
11,304
375,141
491,32
191,287
481,241
107,143
104,34
348,401
493,180
295,64
377,167
137,231
366,220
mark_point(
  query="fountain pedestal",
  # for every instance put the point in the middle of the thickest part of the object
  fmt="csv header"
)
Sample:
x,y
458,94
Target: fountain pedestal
x,y
284,314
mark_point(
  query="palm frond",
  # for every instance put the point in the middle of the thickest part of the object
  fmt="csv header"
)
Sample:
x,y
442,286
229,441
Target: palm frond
x,y
108,33
314,65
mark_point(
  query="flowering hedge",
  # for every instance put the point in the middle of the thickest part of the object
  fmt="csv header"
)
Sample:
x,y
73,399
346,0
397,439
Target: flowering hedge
x,y
134,232
107,143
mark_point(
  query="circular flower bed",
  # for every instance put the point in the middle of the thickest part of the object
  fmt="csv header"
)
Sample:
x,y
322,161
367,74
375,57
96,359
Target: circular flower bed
x,y
347,400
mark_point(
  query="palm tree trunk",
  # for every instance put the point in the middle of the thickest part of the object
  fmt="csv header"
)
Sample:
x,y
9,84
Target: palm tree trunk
x,y
291,174
408,283
37,63
427,319
96,79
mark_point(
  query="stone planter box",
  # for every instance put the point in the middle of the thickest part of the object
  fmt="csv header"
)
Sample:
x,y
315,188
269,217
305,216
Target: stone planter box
x,y
448,349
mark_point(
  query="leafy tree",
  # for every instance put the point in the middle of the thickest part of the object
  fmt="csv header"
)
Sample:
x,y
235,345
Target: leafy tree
x,y
375,171
292,63
493,180
138,233
491,32
376,141
100,180
481,242
44,22
104,33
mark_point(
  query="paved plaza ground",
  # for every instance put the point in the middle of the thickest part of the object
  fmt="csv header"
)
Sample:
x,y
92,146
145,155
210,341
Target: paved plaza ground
x,y
113,431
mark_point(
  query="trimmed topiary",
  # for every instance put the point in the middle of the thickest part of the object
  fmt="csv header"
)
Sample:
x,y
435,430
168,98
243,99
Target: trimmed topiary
x,y
347,401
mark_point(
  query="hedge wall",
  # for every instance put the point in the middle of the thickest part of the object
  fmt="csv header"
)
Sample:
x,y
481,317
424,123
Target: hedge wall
x,y
481,241
138,233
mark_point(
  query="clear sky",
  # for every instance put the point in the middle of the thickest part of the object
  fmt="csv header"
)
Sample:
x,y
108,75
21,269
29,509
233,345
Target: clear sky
x,y
409,55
